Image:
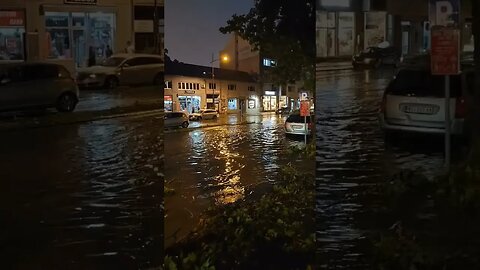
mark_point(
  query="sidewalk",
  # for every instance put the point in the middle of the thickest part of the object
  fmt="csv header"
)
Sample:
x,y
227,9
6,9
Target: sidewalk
x,y
93,105
332,66
225,120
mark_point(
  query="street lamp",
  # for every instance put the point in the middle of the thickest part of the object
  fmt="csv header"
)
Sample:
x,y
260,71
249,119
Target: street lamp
x,y
224,59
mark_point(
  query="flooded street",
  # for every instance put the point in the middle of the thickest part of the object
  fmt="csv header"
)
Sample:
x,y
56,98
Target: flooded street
x,y
220,165
352,159
83,196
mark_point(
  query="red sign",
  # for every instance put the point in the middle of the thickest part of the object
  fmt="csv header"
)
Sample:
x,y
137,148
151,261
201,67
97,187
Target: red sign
x,y
12,18
445,55
304,108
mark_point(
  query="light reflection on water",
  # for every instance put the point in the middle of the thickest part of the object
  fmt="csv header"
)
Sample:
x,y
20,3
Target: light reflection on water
x,y
221,165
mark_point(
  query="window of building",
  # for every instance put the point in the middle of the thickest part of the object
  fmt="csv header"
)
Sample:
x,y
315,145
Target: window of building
x,y
251,88
212,86
188,86
232,87
168,84
269,62
232,104
291,88
85,37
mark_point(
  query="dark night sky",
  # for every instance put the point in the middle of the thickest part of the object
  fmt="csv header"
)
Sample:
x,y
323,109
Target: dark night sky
x,y
191,27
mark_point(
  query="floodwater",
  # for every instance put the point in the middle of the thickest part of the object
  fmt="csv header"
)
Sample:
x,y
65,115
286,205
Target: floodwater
x,y
220,165
83,196
352,160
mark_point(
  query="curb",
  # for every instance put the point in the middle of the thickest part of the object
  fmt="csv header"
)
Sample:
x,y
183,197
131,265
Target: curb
x,y
20,126
178,130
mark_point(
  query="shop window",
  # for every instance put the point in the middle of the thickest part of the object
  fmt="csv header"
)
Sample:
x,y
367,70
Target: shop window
x,y
56,19
232,104
11,43
78,19
58,43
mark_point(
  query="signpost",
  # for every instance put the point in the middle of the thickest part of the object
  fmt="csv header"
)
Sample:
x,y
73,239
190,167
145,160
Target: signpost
x,y
305,111
445,60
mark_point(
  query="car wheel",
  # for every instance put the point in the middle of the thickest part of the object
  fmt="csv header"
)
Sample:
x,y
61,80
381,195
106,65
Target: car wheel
x,y
158,80
66,102
185,124
111,82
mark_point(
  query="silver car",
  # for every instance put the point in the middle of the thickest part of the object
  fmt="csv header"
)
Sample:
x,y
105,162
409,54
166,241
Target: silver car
x,y
414,101
36,85
204,114
123,69
295,124
175,119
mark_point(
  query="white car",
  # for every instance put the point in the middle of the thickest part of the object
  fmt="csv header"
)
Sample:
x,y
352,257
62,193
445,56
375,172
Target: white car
x,y
204,114
295,124
123,69
414,101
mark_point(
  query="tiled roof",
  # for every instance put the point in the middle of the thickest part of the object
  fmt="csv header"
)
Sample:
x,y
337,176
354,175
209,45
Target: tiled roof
x,y
189,70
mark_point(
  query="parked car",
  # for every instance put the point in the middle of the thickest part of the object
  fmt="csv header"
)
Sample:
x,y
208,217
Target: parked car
x,y
204,114
37,85
175,119
123,69
414,101
295,124
375,57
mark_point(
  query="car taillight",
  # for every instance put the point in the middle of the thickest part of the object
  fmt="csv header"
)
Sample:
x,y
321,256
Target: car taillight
x,y
310,126
460,108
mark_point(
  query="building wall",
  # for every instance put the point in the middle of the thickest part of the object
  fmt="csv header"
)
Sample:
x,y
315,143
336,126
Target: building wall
x,y
242,56
241,93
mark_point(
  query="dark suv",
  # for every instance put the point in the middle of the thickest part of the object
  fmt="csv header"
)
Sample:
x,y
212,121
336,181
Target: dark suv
x,y
36,85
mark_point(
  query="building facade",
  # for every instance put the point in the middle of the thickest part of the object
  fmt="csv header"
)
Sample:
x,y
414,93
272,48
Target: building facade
x,y
345,27
72,31
190,88
242,57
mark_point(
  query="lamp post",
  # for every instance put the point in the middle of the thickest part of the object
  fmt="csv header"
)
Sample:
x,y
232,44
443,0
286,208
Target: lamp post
x,y
224,59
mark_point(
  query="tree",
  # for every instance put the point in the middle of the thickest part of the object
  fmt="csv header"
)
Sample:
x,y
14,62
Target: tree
x,y
283,30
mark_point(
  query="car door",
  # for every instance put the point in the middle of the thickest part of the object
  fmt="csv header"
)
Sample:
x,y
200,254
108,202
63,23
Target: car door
x,y
131,72
13,85
41,79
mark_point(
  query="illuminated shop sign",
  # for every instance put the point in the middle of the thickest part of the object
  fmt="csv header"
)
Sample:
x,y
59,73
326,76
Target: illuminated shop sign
x,y
12,18
81,2
269,93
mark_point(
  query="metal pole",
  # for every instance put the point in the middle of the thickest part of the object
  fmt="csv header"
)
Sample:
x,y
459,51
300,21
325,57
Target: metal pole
x,y
306,128
213,82
447,123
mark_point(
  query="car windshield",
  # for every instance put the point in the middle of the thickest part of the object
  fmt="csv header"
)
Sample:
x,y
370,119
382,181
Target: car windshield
x,y
421,83
112,61
296,118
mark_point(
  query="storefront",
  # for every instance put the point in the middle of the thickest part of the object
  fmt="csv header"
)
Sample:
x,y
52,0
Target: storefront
x,y
12,34
335,34
87,37
168,103
269,101
190,104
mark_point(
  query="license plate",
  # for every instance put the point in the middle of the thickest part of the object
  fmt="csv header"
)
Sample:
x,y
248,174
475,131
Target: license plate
x,y
297,127
419,109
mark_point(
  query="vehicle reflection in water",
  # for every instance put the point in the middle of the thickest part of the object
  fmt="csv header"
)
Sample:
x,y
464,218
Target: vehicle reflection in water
x,y
221,165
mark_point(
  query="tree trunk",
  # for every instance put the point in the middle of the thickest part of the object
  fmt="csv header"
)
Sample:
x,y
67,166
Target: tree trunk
x,y
474,121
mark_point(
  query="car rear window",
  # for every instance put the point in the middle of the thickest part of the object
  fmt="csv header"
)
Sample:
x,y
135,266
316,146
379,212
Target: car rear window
x,y
296,118
421,83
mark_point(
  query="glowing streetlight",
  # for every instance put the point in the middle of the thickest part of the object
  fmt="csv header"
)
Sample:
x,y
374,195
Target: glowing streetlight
x,y
224,59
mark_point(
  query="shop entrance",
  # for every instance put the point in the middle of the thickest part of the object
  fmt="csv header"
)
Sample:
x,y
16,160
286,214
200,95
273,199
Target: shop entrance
x,y
269,103
83,36
190,104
